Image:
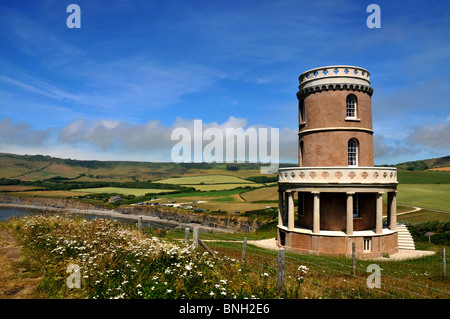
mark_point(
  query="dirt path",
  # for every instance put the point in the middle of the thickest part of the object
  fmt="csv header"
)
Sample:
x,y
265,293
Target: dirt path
x,y
15,281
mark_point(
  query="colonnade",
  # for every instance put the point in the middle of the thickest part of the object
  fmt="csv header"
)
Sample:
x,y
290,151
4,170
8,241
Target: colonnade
x,y
286,214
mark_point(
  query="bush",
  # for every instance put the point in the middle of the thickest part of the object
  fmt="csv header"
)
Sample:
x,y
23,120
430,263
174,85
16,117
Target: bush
x,y
442,230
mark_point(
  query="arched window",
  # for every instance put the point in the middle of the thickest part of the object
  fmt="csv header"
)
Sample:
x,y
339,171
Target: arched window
x,y
351,106
302,154
302,112
353,152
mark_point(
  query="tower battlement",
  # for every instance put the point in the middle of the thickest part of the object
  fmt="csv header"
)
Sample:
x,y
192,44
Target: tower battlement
x,y
335,77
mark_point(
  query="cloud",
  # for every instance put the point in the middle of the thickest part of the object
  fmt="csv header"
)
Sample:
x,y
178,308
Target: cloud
x,y
383,150
127,141
436,137
116,135
21,133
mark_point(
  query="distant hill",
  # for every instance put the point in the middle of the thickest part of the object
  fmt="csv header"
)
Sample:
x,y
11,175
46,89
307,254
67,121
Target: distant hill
x,y
47,168
439,163
41,168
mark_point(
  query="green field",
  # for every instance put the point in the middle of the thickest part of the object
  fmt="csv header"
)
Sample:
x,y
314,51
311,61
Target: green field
x,y
218,187
211,182
434,196
123,191
205,179
422,177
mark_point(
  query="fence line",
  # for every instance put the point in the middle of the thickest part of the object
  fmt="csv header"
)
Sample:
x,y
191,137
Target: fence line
x,y
344,274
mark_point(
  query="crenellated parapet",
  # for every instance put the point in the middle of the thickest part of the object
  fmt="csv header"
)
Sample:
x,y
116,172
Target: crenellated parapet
x,y
338,77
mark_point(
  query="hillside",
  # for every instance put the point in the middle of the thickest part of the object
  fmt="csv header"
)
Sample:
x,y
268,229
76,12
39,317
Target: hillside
x,y
439,163
42,168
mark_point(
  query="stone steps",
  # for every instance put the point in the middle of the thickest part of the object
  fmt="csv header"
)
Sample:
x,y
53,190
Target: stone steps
x,y
405,240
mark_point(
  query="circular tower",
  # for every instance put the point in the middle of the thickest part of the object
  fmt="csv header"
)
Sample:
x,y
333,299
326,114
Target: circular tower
x,y
339,190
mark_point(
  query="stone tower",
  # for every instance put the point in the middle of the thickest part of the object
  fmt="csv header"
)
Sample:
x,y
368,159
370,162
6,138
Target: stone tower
x,y
339,191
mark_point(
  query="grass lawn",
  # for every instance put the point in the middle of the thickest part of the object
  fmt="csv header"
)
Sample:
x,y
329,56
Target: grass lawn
x,y
424,215
434,196
422,177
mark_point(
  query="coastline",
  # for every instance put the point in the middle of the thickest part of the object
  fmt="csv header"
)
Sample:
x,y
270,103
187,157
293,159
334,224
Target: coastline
x,y
116,214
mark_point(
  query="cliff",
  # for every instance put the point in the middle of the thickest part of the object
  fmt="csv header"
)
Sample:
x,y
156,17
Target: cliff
x,y
211,220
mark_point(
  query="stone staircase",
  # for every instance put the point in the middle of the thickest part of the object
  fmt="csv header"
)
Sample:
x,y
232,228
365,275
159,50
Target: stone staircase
x,y
405,240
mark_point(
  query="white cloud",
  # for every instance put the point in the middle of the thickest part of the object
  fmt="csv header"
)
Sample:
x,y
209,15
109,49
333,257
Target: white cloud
x,y
113,139
21,133
431,136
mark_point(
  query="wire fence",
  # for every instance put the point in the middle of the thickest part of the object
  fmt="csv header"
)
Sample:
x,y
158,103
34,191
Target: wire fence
x,y
335,277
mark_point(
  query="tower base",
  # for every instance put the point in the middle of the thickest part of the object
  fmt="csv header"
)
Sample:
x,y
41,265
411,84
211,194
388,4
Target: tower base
x,y
368,244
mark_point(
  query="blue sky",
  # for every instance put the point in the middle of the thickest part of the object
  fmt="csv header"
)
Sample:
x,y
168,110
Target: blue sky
x,y
135,70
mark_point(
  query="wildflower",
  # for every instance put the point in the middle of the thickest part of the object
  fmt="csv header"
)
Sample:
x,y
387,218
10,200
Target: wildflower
x,y
169,291
211,293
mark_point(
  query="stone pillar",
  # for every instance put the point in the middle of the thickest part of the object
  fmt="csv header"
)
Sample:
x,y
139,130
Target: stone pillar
x,y
316,216
286,208
290,205
349,229
392,210
379,214
280,208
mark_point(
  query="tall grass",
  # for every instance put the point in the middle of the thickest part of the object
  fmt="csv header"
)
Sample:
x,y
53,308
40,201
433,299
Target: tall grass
x,y
117,261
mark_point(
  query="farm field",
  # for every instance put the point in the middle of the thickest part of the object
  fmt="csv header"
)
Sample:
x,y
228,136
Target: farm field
x,y
423,177
219,187
211,182
262,194
17,188
49,193
434,196
205,179
122,190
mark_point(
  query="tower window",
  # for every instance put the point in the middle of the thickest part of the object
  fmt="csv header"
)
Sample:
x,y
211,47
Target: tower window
x,y
302,154
351,106
353,152
367,244
302,112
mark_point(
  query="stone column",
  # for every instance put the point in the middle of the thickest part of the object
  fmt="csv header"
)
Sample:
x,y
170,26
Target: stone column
x,y
349,229
392,207
286,208
290,205
280,207
379,214
316,216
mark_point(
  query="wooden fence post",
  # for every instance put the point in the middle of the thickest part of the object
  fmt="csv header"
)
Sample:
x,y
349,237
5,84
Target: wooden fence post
x,y
186,235
354,258
280,277
139,223
195,237
244,249
444,264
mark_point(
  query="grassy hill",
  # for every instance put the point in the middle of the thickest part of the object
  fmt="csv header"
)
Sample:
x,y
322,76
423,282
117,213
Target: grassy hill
x,y
439,163
42,168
